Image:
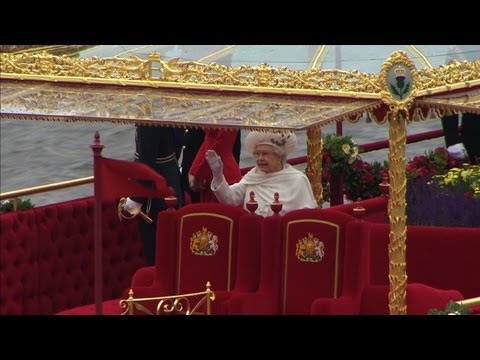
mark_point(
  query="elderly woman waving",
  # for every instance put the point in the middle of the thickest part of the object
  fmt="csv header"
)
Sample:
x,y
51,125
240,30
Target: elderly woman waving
x,y
272,174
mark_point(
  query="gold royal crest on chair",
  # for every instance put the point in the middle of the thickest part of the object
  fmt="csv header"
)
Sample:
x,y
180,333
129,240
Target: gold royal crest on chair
x,y
310,249
204,242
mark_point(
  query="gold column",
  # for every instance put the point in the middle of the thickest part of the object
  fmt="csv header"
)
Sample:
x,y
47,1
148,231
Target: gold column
x,y
314,162
396,213
398,83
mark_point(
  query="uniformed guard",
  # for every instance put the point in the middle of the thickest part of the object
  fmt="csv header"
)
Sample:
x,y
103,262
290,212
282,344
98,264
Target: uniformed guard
x,y
155,146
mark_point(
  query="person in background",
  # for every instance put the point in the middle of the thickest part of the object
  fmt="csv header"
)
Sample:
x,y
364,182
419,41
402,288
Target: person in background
x,y
272,174
155,146
463,143
222,141
189,141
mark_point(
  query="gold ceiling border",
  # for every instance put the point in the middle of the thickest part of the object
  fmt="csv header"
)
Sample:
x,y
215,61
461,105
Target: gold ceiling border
x,y
438,110
156,72
456,75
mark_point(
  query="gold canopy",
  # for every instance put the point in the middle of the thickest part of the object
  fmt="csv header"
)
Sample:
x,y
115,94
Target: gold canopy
x,y
160,106
161,92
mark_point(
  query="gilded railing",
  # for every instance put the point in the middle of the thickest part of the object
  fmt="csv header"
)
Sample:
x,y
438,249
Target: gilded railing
x,y
469,302
16,194
184,304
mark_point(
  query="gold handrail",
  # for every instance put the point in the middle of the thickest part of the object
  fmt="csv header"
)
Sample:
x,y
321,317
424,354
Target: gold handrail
x,y
170,304
469,302
14,195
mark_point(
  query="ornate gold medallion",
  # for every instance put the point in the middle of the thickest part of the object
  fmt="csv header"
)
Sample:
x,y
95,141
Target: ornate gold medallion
x,y
310,249
204,242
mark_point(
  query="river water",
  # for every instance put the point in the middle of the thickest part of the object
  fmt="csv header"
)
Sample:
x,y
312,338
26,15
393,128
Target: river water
x,y
38,153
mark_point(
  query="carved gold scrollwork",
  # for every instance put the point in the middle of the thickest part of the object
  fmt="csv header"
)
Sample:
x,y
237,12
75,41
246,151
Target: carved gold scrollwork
x,y
180,304
156,69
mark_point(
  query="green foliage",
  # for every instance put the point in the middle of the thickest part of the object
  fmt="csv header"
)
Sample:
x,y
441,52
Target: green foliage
x,y
452,308
394,90
22,204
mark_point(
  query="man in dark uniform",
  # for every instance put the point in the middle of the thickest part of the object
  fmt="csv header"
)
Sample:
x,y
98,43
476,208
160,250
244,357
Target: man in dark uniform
x,y
155,146
189,141
463,141
466,141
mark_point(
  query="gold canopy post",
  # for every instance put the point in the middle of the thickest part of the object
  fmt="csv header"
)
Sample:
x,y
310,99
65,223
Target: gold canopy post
x,y
314,162
398,78
396,212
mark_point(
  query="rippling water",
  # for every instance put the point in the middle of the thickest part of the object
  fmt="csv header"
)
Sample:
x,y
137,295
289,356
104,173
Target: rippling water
x,y
38,153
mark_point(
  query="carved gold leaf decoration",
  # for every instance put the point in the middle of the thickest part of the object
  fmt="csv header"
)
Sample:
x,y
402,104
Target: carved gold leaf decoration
x,y
175,71
155,70
445,75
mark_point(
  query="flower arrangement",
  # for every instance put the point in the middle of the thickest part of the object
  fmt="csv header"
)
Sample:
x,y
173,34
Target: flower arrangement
x,y
364,178
465,179
343,167
448,199
339,153
432,163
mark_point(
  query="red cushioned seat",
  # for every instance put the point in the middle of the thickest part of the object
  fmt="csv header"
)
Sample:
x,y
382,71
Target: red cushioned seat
x,y
302,259
313,257
199,243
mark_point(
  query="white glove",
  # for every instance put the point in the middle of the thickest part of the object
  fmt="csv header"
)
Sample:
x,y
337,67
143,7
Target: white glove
x,y
457,151
132,207
216,164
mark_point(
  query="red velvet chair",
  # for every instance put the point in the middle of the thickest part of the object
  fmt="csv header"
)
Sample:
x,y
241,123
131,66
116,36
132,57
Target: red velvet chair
x,y
196,244
265,300
248,265
313,257
355,276
440,258
302,259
